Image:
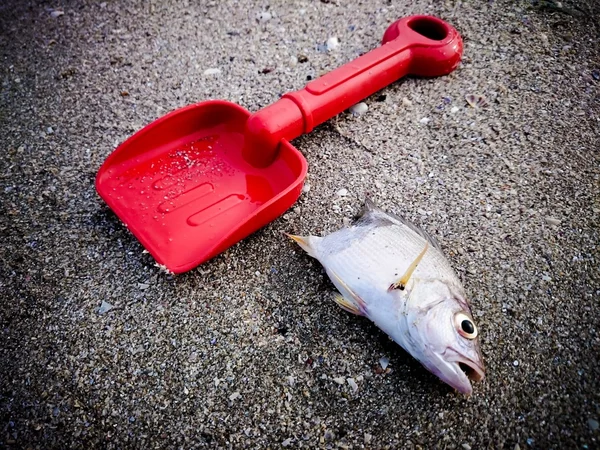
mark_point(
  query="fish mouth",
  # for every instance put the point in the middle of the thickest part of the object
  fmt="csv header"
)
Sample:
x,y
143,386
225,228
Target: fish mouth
x,y
472,371
459,370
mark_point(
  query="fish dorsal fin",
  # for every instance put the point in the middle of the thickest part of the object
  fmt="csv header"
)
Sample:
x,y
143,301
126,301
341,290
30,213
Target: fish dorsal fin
x,y
372,214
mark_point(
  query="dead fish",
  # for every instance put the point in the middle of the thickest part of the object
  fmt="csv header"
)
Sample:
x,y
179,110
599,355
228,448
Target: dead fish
x,y
394,273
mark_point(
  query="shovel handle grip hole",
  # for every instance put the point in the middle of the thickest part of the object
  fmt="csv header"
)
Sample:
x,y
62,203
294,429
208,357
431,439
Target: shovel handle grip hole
x,y
429,27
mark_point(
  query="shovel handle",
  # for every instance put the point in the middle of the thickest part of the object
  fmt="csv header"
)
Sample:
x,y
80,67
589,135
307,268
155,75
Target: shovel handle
x,y
417,45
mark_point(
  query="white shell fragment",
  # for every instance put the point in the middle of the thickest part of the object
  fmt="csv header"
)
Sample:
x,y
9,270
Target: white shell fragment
x,y
339,380
359,108
552,221
352,384
384,362
57,13
342,192
332,43
105,307
425,120
264,16
212,71
476,101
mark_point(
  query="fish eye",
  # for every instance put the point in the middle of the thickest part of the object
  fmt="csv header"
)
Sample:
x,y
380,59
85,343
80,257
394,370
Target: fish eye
x,y
466,327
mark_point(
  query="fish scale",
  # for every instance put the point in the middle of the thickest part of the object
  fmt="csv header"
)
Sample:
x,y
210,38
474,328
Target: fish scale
x,y
396,275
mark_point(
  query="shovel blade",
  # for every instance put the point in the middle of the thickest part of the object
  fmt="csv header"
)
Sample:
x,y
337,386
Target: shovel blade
x,y
182,187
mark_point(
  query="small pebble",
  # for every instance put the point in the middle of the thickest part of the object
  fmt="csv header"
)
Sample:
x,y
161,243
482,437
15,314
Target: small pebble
x,y
50,130
546,278
515,363
552,221
56,13
306,188
234,396
359,108
287,442
406,102
212,71
368,438
342,192
339,380
332,43
454,109
425,120
593,424
466,446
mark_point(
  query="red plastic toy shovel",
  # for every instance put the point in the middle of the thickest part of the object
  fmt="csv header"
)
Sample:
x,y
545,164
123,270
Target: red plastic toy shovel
x,y
203,177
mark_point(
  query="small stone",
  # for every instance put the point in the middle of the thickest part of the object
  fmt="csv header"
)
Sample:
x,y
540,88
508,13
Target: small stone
x,y
593,424
454,109
329,436
352,384
342,192
552,221
143,286
368,438
235,396
332,43
293,61
257,273
384,362
546,278
425,120
302,58
359,108
105,307
516,363
406,102
517,447
212,71
291,381
56,13
339,380
466,446
306,188
596,74
287,442
49,130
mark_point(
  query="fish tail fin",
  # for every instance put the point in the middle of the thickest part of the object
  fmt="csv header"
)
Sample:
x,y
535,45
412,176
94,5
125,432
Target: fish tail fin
x,y
306,242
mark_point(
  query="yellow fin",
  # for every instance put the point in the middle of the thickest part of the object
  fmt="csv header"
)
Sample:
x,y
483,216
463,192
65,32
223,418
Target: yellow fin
x,y
403,281
346,305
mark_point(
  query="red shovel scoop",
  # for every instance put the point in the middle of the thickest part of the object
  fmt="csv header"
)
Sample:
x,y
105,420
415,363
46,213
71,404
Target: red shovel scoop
x,y
203,177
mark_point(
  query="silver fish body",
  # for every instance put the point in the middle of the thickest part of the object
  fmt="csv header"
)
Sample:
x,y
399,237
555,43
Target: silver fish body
x,y
395,274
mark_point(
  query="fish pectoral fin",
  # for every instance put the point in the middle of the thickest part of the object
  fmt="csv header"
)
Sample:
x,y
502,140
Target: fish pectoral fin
x,y
346,305
403,280
350,301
